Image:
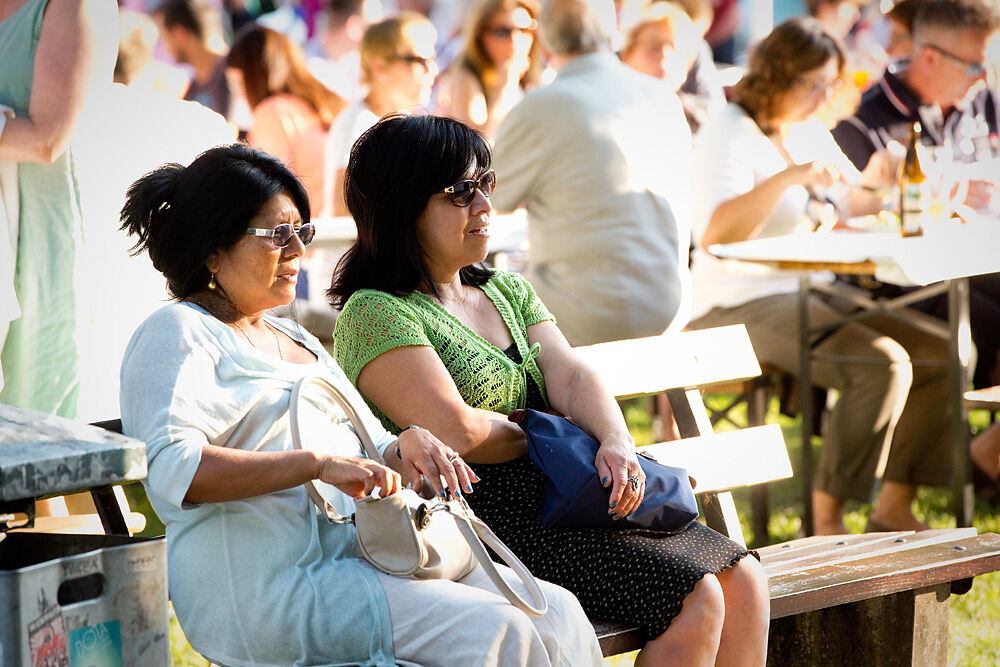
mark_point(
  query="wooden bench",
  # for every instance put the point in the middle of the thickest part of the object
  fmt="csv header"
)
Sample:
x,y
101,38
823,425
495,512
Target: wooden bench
x,y
893,587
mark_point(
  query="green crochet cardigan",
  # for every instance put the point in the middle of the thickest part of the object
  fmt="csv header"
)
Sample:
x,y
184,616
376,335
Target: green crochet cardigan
x,y
374,322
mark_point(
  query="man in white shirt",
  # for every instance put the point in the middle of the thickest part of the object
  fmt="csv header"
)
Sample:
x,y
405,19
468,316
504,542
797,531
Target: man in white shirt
x,y
600,159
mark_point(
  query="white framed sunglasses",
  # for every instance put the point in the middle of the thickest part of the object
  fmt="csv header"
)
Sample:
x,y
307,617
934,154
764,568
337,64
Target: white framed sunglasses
x,y
281,235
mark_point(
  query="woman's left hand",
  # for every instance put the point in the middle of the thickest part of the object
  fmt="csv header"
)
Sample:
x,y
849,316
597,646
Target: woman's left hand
x,y
424,456
618,467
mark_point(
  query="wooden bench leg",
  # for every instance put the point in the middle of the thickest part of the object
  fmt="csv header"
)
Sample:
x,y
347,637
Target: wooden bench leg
x,y
908,628
760,509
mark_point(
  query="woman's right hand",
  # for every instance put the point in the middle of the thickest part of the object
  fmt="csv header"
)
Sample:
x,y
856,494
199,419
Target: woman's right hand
x,y
357,477
813,174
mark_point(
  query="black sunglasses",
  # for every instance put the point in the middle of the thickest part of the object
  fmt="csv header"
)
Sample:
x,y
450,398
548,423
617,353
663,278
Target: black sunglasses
x,y
462,193
414,59
281,235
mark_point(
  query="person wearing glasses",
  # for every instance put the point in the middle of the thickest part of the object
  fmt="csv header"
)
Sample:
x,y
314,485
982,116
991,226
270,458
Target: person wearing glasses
x,y
432,338
759,167
942,85
398,66
257,575
501,59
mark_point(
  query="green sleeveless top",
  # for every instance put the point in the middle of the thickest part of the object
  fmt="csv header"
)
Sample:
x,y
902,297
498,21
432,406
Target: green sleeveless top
x,y
374,322
40,356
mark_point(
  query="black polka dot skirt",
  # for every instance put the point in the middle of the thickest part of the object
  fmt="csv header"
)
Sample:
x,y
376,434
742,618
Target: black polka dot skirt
x,y
639,577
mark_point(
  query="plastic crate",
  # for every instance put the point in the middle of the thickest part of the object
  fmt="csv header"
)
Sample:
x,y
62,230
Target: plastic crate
x,y
71,600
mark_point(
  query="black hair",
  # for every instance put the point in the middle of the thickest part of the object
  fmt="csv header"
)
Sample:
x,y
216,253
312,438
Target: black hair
x,y
181,215
394,169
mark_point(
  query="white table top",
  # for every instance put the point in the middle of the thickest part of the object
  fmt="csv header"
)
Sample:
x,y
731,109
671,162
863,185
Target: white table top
x,y
952,250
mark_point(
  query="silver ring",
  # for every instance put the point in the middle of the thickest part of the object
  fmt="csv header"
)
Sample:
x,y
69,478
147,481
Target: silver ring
x,y
634,481
454,457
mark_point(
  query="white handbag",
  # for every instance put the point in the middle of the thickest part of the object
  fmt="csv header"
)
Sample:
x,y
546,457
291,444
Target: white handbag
x,y
408,536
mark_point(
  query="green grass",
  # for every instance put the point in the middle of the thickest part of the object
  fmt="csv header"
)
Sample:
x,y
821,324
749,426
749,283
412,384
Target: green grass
x,y
974,637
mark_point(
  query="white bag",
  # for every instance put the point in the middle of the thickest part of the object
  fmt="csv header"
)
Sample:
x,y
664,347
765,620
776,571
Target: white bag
x,y
408,536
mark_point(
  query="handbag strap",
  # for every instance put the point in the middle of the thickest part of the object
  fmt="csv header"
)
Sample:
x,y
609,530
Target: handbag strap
x,y
476,532
472,528
325,507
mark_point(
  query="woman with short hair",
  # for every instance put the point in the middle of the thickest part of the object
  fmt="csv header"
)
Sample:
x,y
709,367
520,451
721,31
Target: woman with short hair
x,y
397,65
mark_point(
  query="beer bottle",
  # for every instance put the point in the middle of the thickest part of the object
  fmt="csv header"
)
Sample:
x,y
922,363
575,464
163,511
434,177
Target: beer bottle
x,y
914,190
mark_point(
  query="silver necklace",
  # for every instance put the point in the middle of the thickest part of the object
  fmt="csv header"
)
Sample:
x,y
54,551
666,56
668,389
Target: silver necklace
x,y
277,341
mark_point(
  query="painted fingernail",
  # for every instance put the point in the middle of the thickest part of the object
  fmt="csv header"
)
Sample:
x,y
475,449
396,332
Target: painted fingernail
x,y
604,481
443,494
612,513
468,488
457,493
613,504
476,476
615,517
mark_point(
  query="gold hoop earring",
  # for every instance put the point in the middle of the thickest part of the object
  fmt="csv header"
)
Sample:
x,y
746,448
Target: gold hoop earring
x,y
211,282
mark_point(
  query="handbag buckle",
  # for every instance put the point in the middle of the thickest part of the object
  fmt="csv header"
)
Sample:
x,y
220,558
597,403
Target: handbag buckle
x,y
423,515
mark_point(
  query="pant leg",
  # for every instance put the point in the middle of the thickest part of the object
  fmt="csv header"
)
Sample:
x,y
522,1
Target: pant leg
x,y
438,622
872,395
984,322
921,451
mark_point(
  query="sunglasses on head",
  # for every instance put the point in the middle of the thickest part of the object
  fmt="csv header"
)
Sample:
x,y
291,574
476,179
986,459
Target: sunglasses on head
x,y
281,235
462,193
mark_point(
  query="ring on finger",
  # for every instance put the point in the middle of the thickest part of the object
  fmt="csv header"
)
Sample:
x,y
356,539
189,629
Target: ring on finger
x,y
453,457
634,481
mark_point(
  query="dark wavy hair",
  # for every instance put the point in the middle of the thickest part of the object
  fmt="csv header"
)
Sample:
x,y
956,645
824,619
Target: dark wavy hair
x,y
181,215
797,46
394,169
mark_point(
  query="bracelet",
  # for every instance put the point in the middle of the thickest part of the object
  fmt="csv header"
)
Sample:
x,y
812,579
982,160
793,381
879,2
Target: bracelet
x,y
399,455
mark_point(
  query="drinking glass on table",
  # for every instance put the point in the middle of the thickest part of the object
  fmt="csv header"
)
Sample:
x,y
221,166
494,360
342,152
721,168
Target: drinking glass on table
x,y
946,182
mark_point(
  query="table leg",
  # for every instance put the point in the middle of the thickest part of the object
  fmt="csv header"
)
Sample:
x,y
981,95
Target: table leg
x,y
805,403
959,352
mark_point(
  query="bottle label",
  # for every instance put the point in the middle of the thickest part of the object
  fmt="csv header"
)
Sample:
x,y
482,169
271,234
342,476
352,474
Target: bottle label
x,y
915,206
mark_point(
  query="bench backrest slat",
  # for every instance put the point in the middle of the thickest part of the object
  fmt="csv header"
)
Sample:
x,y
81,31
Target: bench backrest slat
x,y
646,366
680,365
728,460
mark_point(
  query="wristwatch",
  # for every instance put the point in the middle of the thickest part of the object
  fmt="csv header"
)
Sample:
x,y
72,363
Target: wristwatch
x,y
399,455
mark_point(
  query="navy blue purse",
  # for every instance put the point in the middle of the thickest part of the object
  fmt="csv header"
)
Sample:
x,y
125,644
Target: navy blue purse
x,y
572,496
